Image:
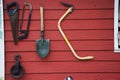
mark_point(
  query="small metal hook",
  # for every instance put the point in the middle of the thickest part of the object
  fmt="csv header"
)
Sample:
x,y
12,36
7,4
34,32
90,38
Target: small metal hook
x,y
17,57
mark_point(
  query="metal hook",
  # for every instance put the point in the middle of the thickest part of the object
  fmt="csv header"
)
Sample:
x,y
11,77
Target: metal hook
x,y
17,57
24,33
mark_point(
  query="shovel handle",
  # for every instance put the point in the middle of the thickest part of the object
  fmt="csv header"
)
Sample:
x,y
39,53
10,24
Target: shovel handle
x,y
41,16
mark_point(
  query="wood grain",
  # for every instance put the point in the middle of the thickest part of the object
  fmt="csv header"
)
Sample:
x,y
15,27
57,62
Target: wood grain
x,y
68,67
55,4
76,76
63,56
76,14
72,35
68,24
61,45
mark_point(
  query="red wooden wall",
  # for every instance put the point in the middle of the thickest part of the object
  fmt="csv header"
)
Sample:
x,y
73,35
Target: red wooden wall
x,y
90,31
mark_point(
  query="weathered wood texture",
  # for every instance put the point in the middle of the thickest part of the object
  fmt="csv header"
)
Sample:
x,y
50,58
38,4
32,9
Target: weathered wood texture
x,y
89,29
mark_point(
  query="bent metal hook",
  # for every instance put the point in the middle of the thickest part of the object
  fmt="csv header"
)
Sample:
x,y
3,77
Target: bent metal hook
x,y
64,36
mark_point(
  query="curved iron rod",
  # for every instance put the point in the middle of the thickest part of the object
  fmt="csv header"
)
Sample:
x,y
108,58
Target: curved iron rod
x,y
65,38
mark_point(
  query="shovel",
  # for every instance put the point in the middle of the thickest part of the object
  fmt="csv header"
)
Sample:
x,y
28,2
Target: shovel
x,y
42,45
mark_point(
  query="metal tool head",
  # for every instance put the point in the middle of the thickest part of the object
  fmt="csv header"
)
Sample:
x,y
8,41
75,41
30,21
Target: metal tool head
x,y
66,4
42,47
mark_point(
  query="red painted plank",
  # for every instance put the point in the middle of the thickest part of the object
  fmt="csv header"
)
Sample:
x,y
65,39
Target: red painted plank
x,y
69,67
76,14
90,30
72,35
68,24
78,4
61,45
76,76
63,56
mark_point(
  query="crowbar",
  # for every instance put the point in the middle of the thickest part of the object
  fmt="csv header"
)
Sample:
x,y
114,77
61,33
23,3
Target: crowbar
x,y
64,36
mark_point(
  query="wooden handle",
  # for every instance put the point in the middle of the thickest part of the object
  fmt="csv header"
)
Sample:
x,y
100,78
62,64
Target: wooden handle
x,y
67,41
41,16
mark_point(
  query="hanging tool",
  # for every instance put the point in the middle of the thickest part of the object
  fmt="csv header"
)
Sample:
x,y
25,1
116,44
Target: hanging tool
x,y
43,45
12,10
17,70
70,8
24,33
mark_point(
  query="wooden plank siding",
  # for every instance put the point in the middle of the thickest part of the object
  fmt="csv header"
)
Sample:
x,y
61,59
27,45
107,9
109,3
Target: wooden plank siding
x,y
89,29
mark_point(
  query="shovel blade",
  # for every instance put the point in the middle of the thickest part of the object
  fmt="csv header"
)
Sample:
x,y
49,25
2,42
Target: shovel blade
x,y
42,47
